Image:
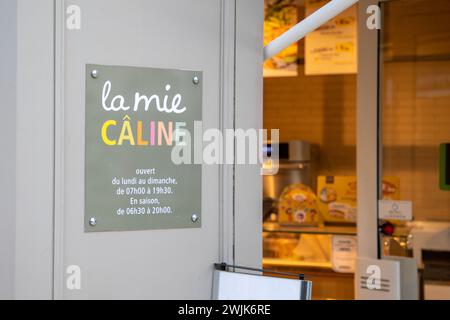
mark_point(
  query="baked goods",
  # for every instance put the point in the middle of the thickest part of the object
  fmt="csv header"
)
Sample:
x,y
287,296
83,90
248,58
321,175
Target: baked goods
x,y
298,205
338,199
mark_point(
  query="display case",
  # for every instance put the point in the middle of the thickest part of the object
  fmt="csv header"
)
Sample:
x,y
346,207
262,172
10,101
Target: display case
x,y
312,251
309,250
301,246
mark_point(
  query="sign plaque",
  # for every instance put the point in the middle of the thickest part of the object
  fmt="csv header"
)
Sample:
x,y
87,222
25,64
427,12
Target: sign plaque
x,y
395,210
133,119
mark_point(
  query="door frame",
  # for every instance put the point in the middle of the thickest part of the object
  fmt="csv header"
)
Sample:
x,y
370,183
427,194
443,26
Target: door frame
x,y
32,87
367,145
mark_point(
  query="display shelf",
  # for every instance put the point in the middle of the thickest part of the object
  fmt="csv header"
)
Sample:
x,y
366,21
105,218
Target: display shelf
x,y
273,262
326,230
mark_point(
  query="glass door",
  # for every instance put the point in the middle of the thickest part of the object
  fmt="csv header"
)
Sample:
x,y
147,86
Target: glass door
x,y
414,128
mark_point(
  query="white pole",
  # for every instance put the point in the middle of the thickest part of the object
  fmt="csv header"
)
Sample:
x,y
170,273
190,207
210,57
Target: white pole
x,y
307,25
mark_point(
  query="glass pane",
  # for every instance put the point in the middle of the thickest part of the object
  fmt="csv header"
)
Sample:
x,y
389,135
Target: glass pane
x,y
310,96
415,101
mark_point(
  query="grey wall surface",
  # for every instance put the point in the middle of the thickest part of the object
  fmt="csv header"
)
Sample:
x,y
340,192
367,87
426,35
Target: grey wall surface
x,y
41,167
34,150
150,264
8,52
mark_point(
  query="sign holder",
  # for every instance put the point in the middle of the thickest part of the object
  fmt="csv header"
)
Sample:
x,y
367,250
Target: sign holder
x,y
231,285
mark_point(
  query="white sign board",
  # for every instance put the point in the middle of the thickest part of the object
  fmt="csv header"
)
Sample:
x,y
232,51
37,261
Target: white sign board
x,y
332,48
241,286
395,210
344,254
377,279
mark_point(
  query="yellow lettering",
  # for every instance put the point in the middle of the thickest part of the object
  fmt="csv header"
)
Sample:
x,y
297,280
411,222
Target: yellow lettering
x,y
105,138
126,134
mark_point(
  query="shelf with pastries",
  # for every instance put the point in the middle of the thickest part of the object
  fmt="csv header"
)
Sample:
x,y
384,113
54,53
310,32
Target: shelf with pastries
x,y
271,263
301,246
308,251
327,284
274,227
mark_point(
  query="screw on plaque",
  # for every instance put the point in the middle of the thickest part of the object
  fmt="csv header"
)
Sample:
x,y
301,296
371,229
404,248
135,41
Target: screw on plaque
x,y
94,74
196,80
92,222
194,218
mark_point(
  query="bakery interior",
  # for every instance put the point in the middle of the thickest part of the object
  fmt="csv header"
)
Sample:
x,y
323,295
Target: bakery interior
x,y
309,206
